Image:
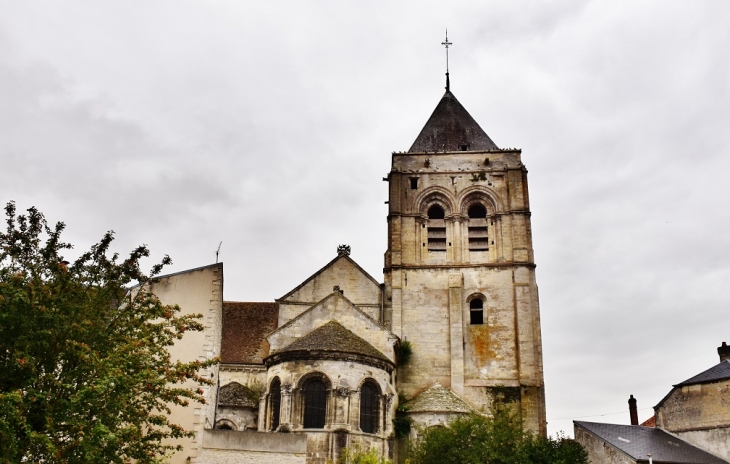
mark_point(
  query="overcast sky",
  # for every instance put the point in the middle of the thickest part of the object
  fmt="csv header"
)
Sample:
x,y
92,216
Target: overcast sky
x,y
269,125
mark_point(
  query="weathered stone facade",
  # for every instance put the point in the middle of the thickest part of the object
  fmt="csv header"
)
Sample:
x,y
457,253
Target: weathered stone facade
x,y
322,362
699,410
459,230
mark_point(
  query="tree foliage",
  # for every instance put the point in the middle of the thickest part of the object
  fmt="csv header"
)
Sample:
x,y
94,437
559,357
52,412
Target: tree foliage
x,y
85,375
476,439
357,455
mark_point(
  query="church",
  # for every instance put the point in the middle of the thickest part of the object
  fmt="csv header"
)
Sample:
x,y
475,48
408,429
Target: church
x,y
347,359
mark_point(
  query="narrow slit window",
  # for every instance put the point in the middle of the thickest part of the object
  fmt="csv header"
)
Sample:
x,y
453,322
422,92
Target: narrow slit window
x,y
476,311
478,229
414,183
436,229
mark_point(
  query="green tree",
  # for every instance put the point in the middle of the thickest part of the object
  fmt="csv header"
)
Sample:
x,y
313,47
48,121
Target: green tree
x,y
476,439
357,455
85,374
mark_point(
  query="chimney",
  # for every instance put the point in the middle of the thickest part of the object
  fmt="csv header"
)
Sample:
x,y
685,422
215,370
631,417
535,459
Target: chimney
x,y
632,411
724,352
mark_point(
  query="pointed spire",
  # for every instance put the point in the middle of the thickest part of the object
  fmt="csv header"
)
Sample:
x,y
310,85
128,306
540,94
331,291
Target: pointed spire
x,y
451,128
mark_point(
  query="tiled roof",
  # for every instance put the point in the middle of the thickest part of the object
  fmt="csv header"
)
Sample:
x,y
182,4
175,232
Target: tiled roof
x,y
438,398
245,327
332,337
650,422
449,127
718,372
235,395
637,442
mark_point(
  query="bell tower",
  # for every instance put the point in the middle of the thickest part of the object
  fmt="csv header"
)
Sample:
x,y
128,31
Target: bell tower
x,y
459,269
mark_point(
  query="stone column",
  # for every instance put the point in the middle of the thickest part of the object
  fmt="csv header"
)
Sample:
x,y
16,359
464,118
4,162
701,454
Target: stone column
x,y
286,414
456,332
263,402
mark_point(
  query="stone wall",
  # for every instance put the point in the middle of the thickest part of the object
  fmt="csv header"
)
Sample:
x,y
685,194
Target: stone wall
x,y
224,447
699,414
344,380
195,291
245,374
356,285
427,293
715,441
335,307
599,452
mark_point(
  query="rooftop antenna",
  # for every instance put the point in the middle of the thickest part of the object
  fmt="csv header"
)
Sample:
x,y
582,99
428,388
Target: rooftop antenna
x,y
447,44
218,251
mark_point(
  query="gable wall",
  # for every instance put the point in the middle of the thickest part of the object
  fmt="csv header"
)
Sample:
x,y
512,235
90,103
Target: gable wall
x,y
699,414
195,291
696,407
339,309
600,452
356,286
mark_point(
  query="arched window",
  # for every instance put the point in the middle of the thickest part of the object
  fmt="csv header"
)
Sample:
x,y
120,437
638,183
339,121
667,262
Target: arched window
x,y
315,404
436,229
478,229
275,403
225,424
369,407
476,311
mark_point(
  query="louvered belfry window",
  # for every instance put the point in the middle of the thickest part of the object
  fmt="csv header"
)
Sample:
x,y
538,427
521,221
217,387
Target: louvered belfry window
x,y
478,229
315,404
436,229
369,408
275,402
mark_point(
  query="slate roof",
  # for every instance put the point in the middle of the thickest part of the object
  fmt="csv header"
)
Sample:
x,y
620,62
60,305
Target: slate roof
x,y
245,327
450,126
718,372
438,398
637,442
333,337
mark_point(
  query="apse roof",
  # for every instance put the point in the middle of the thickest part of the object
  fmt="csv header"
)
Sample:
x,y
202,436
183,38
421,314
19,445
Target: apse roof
x,y
637,442
438,398
451,128
333,337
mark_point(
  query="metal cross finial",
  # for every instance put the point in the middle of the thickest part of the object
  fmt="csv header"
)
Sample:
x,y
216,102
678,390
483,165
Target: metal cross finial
x,y
447,44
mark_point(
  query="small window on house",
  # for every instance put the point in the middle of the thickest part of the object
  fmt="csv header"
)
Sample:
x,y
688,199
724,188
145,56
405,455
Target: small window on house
x,y
414,183
275,403
463,146
476,310
478,229
436,229
369,408
315,404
